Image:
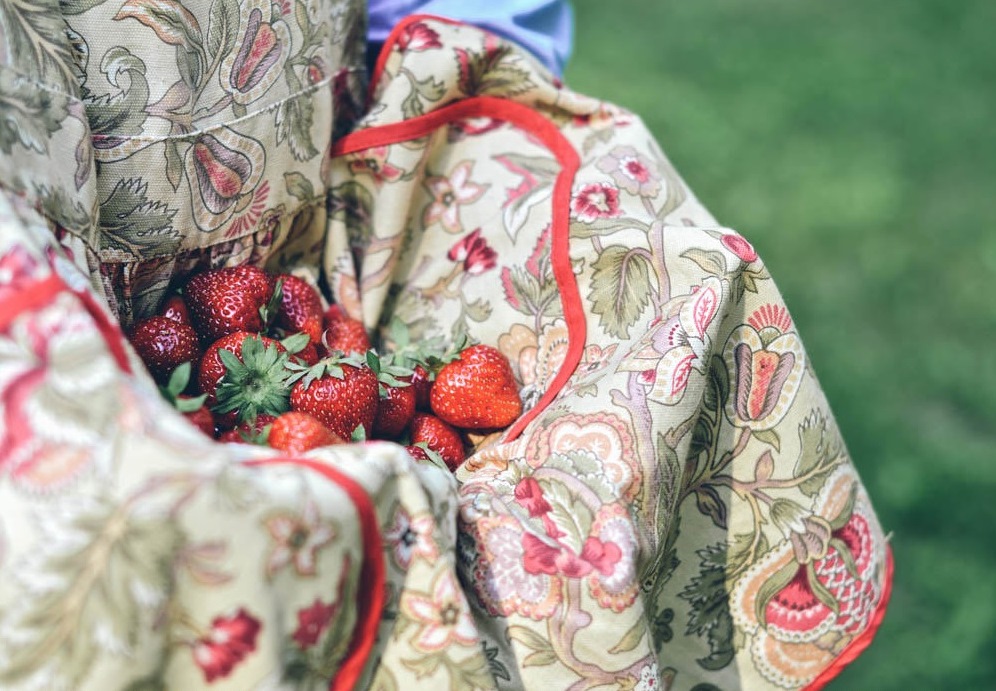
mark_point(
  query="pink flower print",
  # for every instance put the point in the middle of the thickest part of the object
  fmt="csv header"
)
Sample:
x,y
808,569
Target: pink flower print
x,y
249,211
373,162
529,495
312,622
632,171
417,37
594,201
444,616
649,679
449,194
297,540
228,642
475,253
740,247
411,537
18,269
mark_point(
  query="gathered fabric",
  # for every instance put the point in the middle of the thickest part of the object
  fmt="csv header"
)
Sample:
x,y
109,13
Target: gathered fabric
x,y
674,509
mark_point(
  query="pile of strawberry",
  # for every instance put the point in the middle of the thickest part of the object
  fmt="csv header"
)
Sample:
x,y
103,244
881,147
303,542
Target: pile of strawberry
x,y
251,357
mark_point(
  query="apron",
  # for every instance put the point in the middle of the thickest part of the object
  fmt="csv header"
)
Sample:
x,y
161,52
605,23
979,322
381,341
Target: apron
x,y
675,508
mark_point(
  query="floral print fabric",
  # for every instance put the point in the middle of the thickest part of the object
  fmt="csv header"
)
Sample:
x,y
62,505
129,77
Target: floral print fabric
x,y
675,508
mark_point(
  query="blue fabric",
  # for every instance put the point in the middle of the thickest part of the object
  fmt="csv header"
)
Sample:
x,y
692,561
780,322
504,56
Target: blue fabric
x,y
544,27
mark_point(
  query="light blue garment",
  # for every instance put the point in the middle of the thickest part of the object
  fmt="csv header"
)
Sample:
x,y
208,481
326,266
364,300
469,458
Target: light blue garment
x,y
545,27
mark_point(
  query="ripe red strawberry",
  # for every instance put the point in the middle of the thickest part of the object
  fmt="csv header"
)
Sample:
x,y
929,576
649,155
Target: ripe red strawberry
x,y
297,432
176,309
300,307
254,432
422,452
439,437
346,336
164,344
307,355
244,375
422,384
394,411
341,392
477,390
223,301
201,417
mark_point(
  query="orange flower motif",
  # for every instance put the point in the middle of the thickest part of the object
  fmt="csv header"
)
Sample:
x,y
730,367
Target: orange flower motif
x,y
373,162
444,616
297,540
449,194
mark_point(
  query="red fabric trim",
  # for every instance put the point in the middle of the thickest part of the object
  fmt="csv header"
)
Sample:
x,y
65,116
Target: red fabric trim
x,y
392,38
859,644
545,131
108,328
35,296
370,602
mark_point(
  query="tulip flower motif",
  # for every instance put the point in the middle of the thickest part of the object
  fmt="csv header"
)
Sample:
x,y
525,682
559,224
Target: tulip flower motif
x,y
474,253
417,37
228,642
766,362
257,60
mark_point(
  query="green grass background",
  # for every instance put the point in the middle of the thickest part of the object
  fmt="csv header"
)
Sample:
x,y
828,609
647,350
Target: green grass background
x,y
854,143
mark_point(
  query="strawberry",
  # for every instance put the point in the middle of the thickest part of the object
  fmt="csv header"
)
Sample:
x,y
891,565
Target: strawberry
x,y
394,411
477,390
300,307
192,407
244,375
439,437
346,336
255,432
200,417
223,301
397,396
164,344
297,432
342,392
176,309
422,384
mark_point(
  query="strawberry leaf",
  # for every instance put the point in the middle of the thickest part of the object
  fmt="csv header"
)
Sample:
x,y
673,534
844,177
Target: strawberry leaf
x,y
190,405
269,311
296,343
178,381
359,434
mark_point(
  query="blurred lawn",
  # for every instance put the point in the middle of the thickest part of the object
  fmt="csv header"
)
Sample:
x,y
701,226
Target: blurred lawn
x,y
855,144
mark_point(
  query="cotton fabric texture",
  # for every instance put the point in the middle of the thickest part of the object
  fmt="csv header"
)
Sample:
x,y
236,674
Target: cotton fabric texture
x,y
675,509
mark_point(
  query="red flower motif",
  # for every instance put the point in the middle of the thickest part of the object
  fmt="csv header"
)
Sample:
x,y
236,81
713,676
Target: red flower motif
x,y
530,495
594,201
311,622
740,247
418,37
475,253
228,642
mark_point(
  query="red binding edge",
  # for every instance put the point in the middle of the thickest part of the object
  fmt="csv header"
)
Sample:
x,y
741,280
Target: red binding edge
x,y
545,131
32,297
859,644
370,602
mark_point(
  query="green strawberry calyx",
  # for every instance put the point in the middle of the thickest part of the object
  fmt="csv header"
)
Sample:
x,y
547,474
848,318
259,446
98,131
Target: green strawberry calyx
x,y
256,384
